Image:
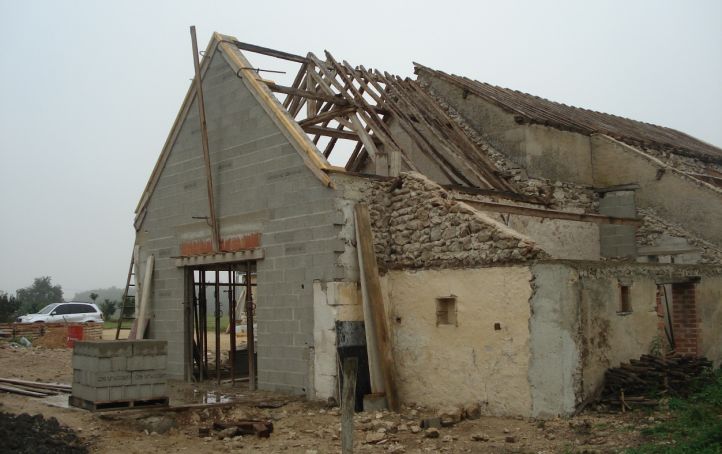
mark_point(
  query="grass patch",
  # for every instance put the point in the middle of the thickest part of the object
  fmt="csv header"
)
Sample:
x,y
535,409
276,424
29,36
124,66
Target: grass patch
x,y
695,427
113,324
211,323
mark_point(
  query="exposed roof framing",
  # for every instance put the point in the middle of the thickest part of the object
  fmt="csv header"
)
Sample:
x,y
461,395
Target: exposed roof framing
x,y
331,101
337,101
535,110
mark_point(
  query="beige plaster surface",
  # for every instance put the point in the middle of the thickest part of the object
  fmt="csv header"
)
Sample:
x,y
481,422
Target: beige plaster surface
x,y
709,310
609,336
471,362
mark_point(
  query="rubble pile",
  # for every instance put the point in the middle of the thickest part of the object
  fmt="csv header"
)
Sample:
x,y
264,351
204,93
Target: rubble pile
x,y
35,434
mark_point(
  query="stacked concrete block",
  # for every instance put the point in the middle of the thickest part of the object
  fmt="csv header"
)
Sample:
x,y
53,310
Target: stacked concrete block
x,y
112,371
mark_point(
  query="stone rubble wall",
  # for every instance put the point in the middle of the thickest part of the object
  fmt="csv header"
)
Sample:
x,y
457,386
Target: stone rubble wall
x,y
558,194
419,225
654,227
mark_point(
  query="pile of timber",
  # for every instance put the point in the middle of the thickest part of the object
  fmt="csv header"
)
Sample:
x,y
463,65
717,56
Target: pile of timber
x,y
91,331
641,382
32,388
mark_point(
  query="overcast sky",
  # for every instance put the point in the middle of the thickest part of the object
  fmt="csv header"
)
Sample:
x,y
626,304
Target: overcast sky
x,y
90,89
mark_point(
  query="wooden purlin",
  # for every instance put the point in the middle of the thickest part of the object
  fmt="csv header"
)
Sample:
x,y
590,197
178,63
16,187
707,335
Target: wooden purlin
x,y
475,159
413,130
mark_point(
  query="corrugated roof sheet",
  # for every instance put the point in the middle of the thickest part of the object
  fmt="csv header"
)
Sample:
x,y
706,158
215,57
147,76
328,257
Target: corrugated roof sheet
x,y
533,109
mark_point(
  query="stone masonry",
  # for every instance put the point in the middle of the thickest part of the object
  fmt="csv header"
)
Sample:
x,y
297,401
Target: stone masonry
x,y
420,226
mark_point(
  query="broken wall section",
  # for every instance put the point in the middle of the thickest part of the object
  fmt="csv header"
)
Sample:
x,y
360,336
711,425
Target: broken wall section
x,y
580,327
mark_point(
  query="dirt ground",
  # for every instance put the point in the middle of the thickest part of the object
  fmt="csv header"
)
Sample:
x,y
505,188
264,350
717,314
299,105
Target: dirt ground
x,y
299,426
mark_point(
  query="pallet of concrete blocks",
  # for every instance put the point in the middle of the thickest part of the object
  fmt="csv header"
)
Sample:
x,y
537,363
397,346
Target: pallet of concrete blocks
x,y
112,375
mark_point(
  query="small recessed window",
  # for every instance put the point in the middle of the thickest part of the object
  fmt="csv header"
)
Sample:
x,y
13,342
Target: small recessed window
x,y
625,301
446,310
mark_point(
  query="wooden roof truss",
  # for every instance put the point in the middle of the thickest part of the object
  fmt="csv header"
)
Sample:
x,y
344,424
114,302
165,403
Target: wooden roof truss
x,y
367,110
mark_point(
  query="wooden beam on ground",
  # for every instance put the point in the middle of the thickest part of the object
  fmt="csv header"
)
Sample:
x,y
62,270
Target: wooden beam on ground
x,y
549,214
35,384
373,297
22,392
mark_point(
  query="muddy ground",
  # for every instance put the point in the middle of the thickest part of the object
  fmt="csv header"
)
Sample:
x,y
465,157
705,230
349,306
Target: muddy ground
x,y
300,426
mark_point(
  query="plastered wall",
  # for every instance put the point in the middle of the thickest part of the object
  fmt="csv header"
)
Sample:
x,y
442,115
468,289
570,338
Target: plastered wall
x,y
544,152
472,362
709,309
675,196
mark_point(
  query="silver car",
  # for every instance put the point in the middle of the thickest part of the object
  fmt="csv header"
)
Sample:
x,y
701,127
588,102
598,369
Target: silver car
x,y
70,312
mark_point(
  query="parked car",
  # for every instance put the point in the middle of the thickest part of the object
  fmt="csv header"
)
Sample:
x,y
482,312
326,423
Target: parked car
x,y
73,311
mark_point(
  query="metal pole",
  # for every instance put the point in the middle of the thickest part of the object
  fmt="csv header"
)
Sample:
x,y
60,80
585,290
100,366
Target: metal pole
x,y
204,323
218,329
232,321
249,330
204,141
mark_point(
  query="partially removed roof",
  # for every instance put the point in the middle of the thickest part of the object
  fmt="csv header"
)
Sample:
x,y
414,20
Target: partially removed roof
x,y
533,109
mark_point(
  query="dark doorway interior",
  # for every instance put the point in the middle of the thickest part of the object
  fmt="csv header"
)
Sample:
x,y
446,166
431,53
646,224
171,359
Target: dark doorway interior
x,y
222,311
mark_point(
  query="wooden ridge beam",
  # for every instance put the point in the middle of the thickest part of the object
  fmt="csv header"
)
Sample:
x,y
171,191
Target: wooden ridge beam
x,y
270,52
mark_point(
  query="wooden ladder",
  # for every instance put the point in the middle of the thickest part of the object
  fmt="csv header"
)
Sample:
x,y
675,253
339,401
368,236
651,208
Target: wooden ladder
x,y
126,298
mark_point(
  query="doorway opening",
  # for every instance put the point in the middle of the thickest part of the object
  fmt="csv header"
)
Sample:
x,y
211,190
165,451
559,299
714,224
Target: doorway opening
x,y
222,326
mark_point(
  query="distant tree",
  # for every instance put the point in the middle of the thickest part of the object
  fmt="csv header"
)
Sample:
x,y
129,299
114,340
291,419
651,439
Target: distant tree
x,y
9,306
38,295
107,307
94,296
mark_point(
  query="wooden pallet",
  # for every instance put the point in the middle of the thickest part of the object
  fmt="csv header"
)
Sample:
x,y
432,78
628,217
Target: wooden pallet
x,y
117,404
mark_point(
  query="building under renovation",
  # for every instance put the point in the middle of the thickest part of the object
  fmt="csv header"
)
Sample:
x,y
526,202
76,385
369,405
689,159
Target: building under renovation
x,y
497,247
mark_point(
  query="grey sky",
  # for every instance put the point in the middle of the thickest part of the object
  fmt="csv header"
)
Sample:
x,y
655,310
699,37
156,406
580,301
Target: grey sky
x,y
90,90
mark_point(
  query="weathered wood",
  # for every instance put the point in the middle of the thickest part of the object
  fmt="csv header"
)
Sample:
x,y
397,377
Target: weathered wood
x,y
22,392
348,135
306,94
270,52
549,214
34,384
348,404
329,115
372,283
204,142
137,331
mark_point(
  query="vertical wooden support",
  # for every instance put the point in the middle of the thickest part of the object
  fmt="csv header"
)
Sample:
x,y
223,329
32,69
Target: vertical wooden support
x,y
370,276
137,331
348,403
251,342
204,141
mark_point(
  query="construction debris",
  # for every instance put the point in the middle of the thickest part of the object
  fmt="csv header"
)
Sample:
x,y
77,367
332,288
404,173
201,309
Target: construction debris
x,y
641,382
231,429
32,389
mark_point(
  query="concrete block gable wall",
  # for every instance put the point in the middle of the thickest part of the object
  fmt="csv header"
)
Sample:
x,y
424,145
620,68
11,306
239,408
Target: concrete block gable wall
x,y
261,185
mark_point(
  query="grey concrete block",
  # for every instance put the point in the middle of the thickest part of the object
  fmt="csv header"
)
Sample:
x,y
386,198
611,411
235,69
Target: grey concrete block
x,y
146,362
144,377
150,347
101,379
103,349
